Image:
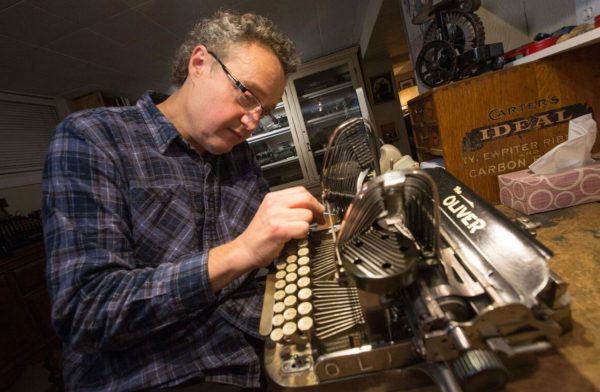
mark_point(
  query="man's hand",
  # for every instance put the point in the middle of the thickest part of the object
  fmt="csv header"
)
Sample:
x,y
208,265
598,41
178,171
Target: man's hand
x,y
282,216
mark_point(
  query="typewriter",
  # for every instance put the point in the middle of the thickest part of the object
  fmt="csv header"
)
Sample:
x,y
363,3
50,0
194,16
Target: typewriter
x,y
417,280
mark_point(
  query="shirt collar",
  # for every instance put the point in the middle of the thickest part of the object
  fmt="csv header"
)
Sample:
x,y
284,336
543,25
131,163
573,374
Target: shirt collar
x,y
162,130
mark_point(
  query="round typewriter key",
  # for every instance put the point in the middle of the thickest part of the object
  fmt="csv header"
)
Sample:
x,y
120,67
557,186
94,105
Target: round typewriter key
x,y
280,284
278,320
279,307
291,277
290,300
289,328
281,264
303,260
290,314
291,288
304,281
279,295
302,252
276,334
303,243
305,324
304,308
291,267
304,270
291,259
304,294
280,274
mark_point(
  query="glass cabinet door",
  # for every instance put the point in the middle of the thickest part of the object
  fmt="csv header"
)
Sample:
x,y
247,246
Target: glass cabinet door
x,y
275,149
326,99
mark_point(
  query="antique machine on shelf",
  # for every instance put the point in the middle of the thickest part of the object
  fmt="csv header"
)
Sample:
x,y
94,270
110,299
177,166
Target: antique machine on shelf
x,y
454,44
413,284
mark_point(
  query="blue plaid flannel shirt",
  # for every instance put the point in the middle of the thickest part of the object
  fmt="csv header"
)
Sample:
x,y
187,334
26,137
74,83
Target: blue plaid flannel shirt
x,y
130,212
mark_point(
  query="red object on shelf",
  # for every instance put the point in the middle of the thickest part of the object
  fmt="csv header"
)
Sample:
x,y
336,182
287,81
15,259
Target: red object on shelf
x,y
597,21
539,45
515,54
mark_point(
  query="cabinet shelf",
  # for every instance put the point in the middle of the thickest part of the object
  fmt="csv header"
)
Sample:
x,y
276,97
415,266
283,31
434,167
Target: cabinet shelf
x,y
325,91
333,116
268,134
283,162
587,38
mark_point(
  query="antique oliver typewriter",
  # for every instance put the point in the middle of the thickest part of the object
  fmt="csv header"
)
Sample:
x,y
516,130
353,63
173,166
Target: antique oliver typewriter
x,y
421,280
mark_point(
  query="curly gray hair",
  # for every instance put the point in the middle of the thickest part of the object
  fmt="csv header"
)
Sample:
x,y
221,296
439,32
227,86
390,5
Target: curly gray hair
x,y
227,28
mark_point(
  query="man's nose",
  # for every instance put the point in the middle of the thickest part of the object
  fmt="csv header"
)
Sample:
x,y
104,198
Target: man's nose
x,y
250,120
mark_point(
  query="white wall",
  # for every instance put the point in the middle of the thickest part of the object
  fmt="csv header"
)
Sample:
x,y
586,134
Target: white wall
x,y
517,22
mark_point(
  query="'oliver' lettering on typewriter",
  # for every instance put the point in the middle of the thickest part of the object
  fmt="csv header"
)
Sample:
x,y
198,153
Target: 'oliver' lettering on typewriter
x,y
461,211
475,139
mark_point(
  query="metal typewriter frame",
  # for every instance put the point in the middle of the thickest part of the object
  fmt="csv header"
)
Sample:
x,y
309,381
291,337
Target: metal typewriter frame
x,y
353,143
414,283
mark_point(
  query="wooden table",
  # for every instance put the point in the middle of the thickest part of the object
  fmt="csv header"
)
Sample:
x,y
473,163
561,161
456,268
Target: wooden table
x,y
573,234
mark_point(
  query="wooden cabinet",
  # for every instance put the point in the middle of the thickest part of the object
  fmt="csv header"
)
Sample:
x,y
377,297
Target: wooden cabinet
x,y
25,328
425,127
502,121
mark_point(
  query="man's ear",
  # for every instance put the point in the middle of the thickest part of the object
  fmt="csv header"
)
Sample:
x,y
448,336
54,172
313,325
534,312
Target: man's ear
x,y
198,61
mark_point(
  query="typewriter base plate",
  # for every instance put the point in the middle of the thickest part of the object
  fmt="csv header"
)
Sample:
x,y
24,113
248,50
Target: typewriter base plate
x,y
382,381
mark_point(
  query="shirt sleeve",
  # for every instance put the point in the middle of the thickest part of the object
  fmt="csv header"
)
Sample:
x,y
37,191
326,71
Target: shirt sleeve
x,y
101,299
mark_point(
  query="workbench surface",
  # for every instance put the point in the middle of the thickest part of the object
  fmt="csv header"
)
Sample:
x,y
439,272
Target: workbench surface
x,y
573,234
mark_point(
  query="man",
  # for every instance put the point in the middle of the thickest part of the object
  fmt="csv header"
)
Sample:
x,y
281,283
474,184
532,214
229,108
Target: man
x,y
156,216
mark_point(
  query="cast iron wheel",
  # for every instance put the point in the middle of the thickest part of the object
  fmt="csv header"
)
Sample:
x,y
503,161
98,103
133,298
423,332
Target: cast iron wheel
x,y
465,31
480,370
436,63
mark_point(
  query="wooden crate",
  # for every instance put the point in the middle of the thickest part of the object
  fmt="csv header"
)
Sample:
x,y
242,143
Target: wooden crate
x,y
502,121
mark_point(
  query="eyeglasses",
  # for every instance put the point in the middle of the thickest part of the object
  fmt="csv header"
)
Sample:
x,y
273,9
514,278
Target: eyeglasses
x,y
246,99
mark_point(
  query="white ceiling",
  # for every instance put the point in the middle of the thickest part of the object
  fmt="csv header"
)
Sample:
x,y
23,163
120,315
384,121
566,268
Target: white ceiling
x,y
68,48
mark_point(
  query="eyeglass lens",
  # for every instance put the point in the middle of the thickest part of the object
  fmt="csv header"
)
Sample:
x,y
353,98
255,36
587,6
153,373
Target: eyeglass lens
x,y
248,101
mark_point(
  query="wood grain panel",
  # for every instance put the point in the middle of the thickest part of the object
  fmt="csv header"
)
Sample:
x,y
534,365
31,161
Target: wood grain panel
x,y
514,115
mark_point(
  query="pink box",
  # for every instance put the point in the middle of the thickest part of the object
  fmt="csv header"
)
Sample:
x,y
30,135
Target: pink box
x,y
532,193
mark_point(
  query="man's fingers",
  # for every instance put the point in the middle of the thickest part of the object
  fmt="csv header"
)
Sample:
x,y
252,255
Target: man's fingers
x,y
299,197
294,189
297,214
298,229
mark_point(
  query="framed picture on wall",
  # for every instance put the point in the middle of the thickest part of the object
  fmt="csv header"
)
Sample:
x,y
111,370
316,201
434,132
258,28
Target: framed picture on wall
x,y
406,83
382,88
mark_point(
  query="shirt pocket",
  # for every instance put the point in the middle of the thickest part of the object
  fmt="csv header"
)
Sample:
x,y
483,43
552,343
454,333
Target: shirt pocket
x,y
165,223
